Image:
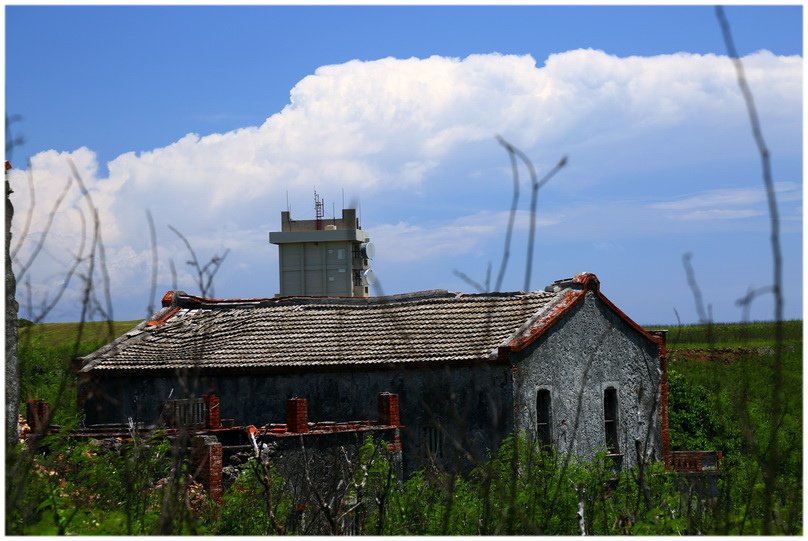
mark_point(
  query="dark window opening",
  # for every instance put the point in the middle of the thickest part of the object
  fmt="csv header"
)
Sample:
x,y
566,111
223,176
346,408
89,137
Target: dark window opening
x,y
610,419
544,417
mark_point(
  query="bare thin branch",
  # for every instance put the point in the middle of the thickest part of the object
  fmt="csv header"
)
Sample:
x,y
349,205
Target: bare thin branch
x,y
512,216
473,283
99,243
694,288
29,214
536,184
745,302
533,201
204,273
765,160
51,215
78,258
173,270
153,238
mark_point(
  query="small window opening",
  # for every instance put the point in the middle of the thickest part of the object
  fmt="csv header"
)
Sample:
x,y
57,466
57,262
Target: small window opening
x,y
610,419
544,417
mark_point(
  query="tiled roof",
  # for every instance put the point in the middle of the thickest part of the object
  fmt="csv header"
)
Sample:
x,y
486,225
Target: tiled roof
x,y
433,327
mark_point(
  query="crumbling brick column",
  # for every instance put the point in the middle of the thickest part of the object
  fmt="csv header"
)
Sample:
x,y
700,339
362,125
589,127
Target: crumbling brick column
x,y
394,446
388,409
297,415
667,457
213,415
37,414
206,455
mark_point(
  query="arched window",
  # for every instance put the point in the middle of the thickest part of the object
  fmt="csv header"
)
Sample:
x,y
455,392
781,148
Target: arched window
x,y
544,414
610,419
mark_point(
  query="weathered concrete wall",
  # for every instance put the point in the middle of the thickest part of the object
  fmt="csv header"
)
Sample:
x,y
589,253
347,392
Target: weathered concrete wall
x,y
589,350
466,407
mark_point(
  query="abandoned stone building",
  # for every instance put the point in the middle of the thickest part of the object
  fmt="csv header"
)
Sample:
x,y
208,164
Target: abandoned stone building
x,y
563,365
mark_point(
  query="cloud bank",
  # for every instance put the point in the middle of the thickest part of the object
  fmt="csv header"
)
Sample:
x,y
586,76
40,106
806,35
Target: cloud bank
x,y
413,140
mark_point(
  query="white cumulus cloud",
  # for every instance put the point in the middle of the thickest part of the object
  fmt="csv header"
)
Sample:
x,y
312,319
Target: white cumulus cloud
x,y
386,129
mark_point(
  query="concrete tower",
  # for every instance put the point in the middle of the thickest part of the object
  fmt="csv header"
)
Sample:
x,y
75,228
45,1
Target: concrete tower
x,y
323,257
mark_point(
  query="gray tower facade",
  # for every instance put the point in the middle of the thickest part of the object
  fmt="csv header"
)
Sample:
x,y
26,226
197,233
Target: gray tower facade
x,y
323,257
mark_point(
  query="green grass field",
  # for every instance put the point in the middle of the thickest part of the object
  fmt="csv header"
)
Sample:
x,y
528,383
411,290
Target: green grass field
x,y
730,335
66,334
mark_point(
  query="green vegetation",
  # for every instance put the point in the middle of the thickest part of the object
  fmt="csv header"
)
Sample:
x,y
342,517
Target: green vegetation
x,y
739,398
747,402
66,334
45,353
730,335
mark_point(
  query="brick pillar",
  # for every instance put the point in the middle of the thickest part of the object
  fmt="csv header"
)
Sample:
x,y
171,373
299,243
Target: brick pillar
x,y
667,457
37,413
207,464
394,446
388,409
297,415
213,414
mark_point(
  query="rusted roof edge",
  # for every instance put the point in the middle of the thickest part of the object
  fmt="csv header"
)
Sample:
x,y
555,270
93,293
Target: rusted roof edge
x,y
554,312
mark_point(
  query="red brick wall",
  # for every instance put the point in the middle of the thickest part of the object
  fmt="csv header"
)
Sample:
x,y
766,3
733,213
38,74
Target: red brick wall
x,y
696,461
37,413
663,364
388,409
394,446
297,415
214,417
207,459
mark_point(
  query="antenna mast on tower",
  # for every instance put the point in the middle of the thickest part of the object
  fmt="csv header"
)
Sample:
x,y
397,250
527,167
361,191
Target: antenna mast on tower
x,y
319,213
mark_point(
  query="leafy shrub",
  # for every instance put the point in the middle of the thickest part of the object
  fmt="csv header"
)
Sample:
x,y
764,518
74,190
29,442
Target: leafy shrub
x,y
692,418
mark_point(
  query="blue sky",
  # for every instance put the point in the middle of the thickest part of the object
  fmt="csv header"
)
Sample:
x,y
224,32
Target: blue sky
x,y
399,107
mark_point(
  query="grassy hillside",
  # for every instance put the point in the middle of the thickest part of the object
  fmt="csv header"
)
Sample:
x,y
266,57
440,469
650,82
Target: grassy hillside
x,y
730,335
65,334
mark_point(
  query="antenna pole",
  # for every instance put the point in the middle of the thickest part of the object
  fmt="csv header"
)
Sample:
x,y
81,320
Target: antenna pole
x,y
318,212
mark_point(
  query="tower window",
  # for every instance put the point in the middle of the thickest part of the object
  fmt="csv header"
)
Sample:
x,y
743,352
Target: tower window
x,y
610,419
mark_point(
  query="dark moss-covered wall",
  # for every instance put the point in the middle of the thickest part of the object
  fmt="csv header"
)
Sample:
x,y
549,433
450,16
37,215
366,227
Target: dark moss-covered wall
x,y
465,406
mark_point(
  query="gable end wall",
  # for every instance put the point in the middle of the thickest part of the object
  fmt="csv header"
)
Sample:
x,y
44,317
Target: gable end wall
x,y
588,350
